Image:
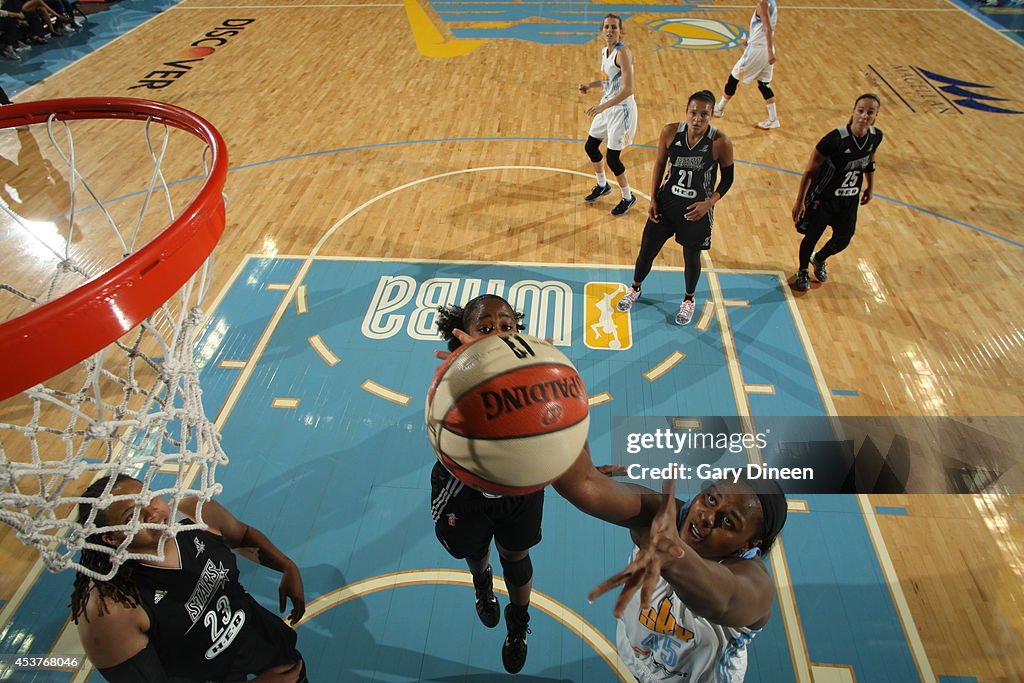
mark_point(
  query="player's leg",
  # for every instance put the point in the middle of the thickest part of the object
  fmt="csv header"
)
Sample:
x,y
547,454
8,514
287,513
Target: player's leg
x,y
514,535
843,228
654,238
695,238
765,86
465,532
598,132
813,227
621,128
730,90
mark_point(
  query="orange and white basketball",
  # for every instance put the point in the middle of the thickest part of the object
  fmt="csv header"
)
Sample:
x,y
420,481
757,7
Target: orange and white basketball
x,y
507,414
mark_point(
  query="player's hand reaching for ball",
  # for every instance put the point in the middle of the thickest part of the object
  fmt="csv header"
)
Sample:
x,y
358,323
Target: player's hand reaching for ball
x,y
661,544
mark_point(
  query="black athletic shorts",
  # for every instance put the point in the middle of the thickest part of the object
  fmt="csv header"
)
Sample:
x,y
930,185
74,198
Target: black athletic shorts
x,y
690,234
467,520
820,215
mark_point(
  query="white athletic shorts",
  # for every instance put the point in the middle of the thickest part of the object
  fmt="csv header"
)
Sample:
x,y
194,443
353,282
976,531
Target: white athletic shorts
x,y
616,125
753,65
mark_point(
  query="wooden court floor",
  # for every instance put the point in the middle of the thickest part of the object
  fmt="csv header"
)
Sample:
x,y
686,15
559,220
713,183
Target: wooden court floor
x,y
327,106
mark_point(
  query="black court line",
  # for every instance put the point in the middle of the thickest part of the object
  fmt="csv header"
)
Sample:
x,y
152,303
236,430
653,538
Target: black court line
x,y
894,91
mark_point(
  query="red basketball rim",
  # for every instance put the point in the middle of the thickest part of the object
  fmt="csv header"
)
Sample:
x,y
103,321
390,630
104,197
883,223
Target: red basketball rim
x,y
49,339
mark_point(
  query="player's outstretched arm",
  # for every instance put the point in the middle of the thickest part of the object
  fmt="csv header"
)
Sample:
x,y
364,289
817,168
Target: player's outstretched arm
x,y
628,505
238,534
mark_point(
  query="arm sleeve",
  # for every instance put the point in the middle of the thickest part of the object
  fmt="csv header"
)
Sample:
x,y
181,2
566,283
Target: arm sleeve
x,y
829,145
726,181
143,667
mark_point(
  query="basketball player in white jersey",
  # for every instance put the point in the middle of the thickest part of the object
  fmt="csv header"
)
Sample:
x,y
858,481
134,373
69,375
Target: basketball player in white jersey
x,y
757,62
705,591
615,117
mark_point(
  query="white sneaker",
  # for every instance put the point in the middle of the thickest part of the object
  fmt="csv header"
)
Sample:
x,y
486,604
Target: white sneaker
x,y
628,299
685,314
719,112
770,123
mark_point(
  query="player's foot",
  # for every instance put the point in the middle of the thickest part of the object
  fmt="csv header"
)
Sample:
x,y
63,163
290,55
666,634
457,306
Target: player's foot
x,y
487,607
628,299
685,314
819,269
623,206
770,123
598,192
719,111
513,651
803,281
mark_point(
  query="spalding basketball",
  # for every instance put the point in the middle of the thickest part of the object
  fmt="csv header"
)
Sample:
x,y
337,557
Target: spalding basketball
x,y
507,414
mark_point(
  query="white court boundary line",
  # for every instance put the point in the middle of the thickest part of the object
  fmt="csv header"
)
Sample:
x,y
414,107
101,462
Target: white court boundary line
x,y
892,579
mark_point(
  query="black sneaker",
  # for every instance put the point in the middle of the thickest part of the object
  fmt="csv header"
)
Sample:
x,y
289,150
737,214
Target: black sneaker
x,y
803,281
513,651
598,192
623,206
487,607
819,269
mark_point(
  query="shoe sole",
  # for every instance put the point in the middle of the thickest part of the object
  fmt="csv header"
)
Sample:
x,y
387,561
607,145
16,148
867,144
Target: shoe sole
x,y
676,319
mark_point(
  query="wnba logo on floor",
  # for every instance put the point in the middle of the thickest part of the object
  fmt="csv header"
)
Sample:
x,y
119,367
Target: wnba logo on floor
x,y
401,302
192,55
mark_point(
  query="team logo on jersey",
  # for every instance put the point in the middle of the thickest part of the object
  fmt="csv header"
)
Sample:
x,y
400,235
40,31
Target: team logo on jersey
x,y
200,546
212,579
921,90
605,326
697,34
452,519
661,620
158,596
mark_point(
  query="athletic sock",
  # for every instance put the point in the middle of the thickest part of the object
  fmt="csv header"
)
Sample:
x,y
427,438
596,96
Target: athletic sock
x,y
771,112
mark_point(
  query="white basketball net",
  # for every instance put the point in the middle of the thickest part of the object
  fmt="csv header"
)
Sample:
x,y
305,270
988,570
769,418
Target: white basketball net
x,y
135,407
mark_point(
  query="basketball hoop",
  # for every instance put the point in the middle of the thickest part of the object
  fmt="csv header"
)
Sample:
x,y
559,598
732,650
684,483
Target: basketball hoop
x,y
99,372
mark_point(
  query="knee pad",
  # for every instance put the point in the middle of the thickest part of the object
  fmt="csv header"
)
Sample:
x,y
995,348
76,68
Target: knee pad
x,y
517,573
766,89
614,163
730,85
593,148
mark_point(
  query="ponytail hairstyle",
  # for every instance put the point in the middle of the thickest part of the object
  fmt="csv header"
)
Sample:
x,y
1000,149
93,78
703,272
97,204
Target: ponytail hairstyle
x,y
451,318
121,587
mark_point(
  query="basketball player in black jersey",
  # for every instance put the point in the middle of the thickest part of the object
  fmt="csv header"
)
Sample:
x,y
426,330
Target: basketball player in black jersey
x,y
830,190
186,617
683,202
465,520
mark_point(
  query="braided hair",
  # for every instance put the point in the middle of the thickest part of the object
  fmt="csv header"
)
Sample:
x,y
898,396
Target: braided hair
x,y
121,587
451,318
